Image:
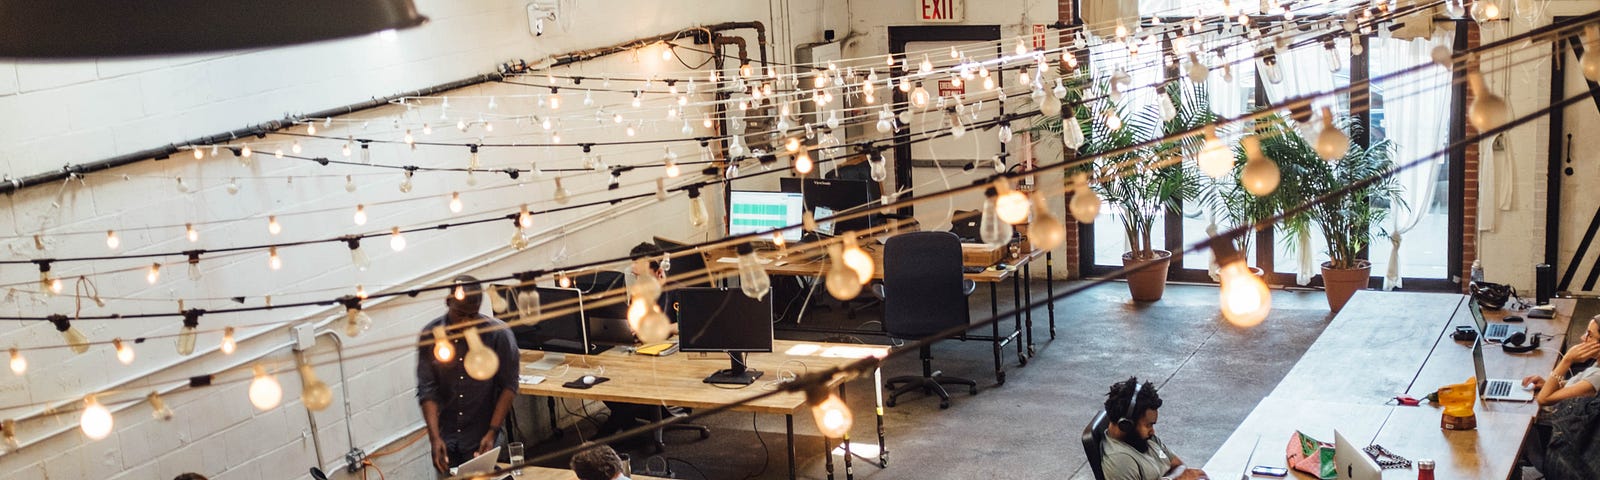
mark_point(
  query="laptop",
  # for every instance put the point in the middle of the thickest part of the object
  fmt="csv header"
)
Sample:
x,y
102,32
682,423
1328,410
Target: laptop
x,y
1351,462
964,223
1502,389
480,465
1496,332
608,325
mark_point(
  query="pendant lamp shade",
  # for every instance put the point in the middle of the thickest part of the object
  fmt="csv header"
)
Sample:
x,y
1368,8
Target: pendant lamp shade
x,y
32,29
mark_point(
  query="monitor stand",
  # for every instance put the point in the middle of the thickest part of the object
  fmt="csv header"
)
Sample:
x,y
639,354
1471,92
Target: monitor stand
x,y
737,375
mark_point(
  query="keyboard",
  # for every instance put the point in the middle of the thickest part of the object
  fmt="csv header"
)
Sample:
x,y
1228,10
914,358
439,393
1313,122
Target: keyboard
x,y
1498,388
1497,330
966,269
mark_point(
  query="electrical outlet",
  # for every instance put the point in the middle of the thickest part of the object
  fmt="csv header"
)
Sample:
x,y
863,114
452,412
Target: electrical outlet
x,y
354,459
305,336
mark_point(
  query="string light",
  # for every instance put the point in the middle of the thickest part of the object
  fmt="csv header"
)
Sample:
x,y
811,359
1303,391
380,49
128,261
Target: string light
x,y
194,266
158,407
265,393
753,278
272,258
356,321
1261,174
358,257
832,415
1488,110
524,219
994,232
455,202
96,420
442,349
670,159
397,242
1332,143
1011,205
19,365
561,196
1214,159
228,343
272,225
841,280
154,274
803,164
481,362
361,215
349,184
8,434
189,232
698,216
124,351
858,260
187,333
1045,231
1245,298
314,393
74,338
1591,57
112,242
295,147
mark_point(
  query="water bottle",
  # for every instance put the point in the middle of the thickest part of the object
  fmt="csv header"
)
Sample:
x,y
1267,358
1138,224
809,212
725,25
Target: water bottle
x,y
1477,272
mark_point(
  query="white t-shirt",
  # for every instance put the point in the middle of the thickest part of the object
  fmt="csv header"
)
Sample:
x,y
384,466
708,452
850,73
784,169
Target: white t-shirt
x,y
1590,375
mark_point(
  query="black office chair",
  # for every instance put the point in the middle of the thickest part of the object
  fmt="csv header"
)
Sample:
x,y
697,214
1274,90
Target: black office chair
x,y
598,281
924,293
1094,435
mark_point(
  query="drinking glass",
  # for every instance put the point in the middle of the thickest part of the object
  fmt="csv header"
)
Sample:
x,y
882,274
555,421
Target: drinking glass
x,y
514,451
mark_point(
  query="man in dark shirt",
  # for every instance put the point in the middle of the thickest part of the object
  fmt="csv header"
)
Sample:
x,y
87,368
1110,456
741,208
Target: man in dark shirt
x,y
464,414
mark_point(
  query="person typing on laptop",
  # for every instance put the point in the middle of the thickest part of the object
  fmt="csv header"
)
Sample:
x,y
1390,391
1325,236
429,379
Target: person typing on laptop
x,y
464,414
1131,450
1586,383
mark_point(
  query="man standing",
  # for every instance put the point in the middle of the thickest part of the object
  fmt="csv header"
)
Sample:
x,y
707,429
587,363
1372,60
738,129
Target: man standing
x,y
464,415
1131,450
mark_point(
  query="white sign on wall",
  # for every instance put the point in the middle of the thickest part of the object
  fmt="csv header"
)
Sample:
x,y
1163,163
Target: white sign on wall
x,y
942,11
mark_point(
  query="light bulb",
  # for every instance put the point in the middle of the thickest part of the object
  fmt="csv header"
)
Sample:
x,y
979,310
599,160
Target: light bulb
x,y
455,202
994,232
1591,58
1071,132
1261,174
481,361
272,225
361,215
753,278
311,128
191,233
832,415
858,260
356,321
194,266
561,196
410,140
198,153
803,163
1085,203
672,170
265,393
459,292
397,242
112,242
187,334
153,275
842,281
272,258
1113,121
1214,159
96,420
926,67
158,408
124,351
833,119
1197,71
1332,143
442,349
1011,205
19,365
697,209
228,343
554,102
1245,298
1168,110
350,183
8,434
1005,134
295,147
878,168
885,122
1051,106
74,338
345,150
1045,231
1488,111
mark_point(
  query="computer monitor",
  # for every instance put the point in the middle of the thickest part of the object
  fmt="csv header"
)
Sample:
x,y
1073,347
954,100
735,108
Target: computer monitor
x,y
838,195
724,320
690,265
564,333
761,212
607,325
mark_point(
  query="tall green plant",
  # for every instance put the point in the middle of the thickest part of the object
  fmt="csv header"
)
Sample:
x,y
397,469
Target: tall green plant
x,y
1346,220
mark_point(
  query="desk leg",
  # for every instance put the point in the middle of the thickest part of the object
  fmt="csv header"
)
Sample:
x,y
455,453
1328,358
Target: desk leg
x,y
551,403
788,426
1027,296
877,406
994,311
849,467
1050,290
1016,305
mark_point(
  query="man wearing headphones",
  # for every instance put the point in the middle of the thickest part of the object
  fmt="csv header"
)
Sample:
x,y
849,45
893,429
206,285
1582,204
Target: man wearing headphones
x,y
627,415
1131,450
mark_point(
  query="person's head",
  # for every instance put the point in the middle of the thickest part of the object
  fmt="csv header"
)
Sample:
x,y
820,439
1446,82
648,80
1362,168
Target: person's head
x,y
470,301
652,253
598,463
189,476
1132,421
1592,334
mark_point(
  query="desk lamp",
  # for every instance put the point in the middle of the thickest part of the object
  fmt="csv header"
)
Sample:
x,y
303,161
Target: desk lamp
x,y
1457,401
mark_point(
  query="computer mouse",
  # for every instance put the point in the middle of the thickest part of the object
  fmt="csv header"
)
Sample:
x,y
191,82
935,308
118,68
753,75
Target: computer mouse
x,y
588,379
1529,387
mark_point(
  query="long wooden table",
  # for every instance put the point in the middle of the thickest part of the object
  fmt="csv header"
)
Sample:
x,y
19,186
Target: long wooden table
x,y
1017,271
678,380
1381,345
546,473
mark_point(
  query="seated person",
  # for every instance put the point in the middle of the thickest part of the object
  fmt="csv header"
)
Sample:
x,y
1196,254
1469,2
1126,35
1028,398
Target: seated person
x,y
598,463
1131,450
1586,383
625,415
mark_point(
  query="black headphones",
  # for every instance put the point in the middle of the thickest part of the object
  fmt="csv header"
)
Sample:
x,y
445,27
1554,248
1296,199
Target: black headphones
x,y
1513,343
1126,423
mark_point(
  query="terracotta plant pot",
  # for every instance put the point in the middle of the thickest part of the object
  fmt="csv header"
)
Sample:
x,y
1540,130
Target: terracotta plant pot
x,y
1343,282
1148,284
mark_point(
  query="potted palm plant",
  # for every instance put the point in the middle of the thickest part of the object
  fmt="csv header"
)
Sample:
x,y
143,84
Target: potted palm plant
x,y
1142,184
1346,220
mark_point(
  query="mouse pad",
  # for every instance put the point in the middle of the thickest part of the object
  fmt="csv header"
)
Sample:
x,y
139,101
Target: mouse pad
x,y
578,383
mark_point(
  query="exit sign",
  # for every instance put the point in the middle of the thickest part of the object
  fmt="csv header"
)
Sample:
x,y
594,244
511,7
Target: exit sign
x,y
942,11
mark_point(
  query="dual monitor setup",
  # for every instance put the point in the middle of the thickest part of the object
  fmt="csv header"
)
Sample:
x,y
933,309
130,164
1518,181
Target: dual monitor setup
x,y
758,212
709,320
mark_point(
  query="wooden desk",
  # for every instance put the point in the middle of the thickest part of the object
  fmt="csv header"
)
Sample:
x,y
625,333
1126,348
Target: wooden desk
x,y
546,473
807,265
1373,349
1451,361
678,380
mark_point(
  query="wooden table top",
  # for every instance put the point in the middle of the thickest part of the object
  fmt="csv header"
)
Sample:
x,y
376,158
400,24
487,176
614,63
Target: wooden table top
x,y
1451,361
677,379
1275,419
1373,349
546,473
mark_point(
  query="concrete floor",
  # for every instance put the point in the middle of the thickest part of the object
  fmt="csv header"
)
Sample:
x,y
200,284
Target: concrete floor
x,y
1210,374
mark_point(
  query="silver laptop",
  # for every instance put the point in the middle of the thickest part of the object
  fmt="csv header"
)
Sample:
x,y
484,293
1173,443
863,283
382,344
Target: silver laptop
x,y
481,464
1496,332
1351,462
1502,389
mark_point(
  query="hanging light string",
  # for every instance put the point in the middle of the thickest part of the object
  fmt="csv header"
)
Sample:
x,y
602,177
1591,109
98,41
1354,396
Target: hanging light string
x,y
867,364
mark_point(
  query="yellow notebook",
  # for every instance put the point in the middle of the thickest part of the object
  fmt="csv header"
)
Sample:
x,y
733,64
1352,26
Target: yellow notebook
x,y
658,349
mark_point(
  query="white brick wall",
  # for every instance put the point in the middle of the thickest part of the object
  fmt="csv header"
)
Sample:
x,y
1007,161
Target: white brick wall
x,y
53,114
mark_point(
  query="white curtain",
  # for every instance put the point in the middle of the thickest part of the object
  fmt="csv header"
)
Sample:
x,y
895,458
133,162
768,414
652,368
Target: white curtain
x,y
1310,69
1413,105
